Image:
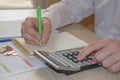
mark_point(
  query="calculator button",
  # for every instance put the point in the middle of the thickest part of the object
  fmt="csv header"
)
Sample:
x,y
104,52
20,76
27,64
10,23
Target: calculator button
x,y
66,60
70,62
84,63
81,61
90,62
70,53
75,53
69,57
75,60
65,54
85,59
74,56
90,57
94,60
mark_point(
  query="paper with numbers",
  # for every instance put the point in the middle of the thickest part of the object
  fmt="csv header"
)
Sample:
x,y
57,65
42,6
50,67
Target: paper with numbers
x,y
11,65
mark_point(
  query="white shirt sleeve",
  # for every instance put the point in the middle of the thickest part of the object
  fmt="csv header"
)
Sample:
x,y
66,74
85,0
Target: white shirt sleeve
x,y
68,11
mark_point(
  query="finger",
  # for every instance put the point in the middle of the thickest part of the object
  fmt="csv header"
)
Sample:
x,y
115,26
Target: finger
x,y
80,56
29,22
106,51
31,42
31,32
32,21
103,53
111,60
34,34
30,39
46,32
115,67
89,49
29,29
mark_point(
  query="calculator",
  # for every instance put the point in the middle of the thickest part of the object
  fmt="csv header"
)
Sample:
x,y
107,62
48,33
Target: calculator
x,y
65,61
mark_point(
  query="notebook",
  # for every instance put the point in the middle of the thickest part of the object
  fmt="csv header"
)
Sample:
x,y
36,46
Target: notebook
x,y
59,41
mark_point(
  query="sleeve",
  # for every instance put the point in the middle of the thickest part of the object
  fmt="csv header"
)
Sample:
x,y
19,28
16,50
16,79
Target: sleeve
x,y
68,11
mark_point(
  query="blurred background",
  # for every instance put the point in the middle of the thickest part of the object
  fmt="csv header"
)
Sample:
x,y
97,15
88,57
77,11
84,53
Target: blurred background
x,y
32,4
21,4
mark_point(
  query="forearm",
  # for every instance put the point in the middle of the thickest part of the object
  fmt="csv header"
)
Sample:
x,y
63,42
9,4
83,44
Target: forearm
x,y
68,11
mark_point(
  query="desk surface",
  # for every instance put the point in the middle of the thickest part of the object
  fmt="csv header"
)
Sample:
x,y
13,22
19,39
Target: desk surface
x,y
48,74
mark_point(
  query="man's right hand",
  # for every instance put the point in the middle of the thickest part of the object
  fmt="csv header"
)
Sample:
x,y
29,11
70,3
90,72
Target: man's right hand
x,y
30,33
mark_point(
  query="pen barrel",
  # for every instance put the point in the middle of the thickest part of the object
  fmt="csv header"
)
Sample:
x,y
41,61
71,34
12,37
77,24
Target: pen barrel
x,y
39,19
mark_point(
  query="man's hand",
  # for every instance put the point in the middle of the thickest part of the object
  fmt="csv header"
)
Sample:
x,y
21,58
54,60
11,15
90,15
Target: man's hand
x,y
30,33
106,51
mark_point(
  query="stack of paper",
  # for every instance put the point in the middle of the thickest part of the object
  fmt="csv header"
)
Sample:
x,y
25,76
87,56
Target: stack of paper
x,y
10,29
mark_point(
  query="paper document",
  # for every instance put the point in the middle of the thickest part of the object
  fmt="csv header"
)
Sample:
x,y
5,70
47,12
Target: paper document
x,y
10,29
10,65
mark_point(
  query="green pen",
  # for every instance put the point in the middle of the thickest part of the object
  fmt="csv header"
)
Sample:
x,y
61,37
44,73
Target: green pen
x,y
39,19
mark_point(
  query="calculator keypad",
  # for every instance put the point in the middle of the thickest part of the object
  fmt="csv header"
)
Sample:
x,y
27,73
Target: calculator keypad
x,y
71,57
